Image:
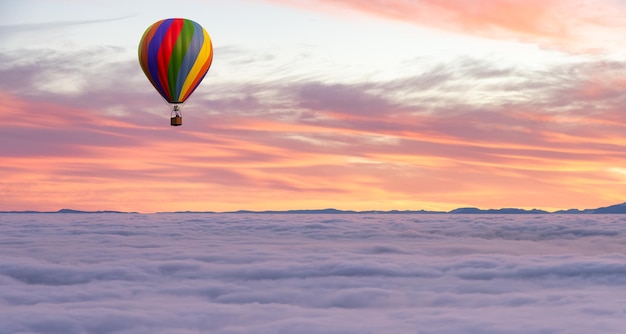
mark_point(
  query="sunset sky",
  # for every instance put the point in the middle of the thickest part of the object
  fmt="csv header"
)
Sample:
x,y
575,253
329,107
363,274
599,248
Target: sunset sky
x,y
311,104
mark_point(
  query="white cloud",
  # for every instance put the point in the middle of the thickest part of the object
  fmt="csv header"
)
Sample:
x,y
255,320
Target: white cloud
x,y
236,273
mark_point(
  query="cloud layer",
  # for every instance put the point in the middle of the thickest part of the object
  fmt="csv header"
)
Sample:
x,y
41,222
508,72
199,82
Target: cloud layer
x,y
235,273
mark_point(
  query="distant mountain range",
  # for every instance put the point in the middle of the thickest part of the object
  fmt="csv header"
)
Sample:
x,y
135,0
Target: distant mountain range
x,y
613,209
67,211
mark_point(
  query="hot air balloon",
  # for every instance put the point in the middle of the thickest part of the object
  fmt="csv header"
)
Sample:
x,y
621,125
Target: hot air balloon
x,y
175,54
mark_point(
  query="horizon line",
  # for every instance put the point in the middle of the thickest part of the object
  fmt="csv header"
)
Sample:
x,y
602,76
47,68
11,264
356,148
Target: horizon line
x,y
616,208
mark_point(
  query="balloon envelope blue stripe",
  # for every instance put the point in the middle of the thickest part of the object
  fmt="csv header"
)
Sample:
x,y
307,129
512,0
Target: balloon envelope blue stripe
x,y
153,51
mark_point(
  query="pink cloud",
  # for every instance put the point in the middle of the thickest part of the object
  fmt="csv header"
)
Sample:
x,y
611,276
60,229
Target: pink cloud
x,y
568,24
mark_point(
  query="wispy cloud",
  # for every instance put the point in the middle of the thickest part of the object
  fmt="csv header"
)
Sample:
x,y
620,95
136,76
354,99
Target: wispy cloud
x,y
29,27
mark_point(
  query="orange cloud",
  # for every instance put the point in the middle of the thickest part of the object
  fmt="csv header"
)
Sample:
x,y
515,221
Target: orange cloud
x,y
221,163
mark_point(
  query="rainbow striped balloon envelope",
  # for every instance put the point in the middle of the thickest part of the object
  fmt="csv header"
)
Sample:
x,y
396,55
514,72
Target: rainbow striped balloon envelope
x,y
175,54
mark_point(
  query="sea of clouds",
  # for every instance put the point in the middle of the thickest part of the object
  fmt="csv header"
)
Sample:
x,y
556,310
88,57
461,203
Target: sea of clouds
x,y
326,273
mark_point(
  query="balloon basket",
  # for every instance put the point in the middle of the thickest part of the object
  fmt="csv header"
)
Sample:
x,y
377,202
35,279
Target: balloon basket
x,y
176,121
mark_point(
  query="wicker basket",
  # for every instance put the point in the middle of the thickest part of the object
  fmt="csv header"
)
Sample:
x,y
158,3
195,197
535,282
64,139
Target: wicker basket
x,y
177,121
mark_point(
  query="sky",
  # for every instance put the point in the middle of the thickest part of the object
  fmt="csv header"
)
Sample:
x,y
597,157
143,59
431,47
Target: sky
x,y
312,274
310,104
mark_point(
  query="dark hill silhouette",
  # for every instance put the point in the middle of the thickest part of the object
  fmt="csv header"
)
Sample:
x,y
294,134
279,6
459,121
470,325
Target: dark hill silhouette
x,y
617,208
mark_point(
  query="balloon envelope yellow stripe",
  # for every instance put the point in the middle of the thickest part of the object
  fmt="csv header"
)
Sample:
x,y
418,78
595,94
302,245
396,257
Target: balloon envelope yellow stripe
x,y
200,67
